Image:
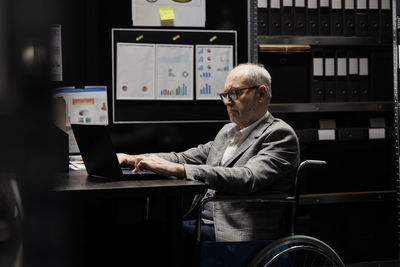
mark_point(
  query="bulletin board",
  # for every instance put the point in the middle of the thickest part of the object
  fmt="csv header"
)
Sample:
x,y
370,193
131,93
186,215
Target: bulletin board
x,y
162,76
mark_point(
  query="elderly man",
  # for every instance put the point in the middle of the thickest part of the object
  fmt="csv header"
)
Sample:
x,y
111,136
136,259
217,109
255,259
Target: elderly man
x,y
255,154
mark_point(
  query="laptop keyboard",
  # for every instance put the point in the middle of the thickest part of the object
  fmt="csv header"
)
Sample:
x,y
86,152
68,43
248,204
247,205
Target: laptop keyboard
x,y
127,171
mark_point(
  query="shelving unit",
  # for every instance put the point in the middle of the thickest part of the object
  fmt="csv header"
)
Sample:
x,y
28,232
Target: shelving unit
x,y
379,188
321,40
331,107
396,106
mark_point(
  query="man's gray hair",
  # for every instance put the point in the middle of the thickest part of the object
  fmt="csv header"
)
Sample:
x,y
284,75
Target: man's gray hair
x,y
258,75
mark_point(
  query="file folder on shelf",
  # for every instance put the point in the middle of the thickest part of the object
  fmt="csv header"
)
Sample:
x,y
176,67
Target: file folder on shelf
x,y
353,82
262,21
361,18
262,17
329,77
299,17
336,17
274,18
324,17
287,17
346,134
317,77
385,20
363,77
373,18
341,75
312,24
327,130
349,18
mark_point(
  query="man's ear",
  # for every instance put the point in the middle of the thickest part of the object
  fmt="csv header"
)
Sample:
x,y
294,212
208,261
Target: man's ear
x,y
262,93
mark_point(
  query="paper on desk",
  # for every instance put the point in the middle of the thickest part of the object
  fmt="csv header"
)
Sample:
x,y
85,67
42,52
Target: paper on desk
x,y
76,163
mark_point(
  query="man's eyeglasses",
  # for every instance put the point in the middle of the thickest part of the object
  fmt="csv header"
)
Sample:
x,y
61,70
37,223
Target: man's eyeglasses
x,y
234,93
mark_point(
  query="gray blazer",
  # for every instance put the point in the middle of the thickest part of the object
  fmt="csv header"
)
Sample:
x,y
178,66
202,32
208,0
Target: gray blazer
x,y
263,164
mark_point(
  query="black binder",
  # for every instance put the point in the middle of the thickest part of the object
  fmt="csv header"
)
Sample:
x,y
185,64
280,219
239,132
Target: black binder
x,y
352,134
262,16
287,17
385,20
353,77
312,24
324,17
299,17
364,77
349,18
329,76
361,18
341,76
336,17
274,18
364,82
373,18
317,76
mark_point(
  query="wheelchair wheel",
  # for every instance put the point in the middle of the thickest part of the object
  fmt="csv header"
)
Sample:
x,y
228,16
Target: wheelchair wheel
x,y
296,250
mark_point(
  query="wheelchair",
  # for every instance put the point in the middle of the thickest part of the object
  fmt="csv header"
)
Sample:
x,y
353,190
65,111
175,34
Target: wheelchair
x,y
293,250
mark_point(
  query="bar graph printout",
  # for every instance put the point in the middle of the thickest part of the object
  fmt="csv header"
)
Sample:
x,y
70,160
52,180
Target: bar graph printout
x,y
213,64
135,71
174,72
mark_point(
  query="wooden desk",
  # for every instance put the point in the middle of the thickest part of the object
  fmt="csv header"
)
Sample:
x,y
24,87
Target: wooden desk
x,y
80,182
77,183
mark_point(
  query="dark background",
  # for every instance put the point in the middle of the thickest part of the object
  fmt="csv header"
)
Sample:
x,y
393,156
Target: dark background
x,y
357,231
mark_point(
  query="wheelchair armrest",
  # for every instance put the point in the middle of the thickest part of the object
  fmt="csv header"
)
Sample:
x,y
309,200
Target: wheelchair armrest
x,y
270,198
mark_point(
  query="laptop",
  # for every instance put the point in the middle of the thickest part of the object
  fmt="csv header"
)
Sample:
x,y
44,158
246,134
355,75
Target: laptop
x,y
98,154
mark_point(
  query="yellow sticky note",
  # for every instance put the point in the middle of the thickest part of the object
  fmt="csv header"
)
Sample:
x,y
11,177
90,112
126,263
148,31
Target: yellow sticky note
x,y
166,13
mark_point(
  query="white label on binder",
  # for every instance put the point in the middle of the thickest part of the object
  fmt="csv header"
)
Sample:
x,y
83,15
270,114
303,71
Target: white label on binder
x,y
373,4
349,4
361,4
336,4
341,66
299,3
324,3
326,135
262,3
398,54
376,133
363,66
318,67
385,5
312,3
287,2
275,4
329,67
353,66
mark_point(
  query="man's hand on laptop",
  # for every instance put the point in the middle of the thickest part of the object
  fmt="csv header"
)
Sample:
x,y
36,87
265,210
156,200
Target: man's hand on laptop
x,y
126,160
160,166
152,163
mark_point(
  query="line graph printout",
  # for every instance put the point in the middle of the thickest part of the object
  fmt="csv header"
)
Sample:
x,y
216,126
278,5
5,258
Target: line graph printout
x,y
174,72
213,63
135,71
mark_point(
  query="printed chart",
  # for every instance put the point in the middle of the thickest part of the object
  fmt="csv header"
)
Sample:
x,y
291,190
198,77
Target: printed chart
x,y
174,72
135,71
83,106
213,63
